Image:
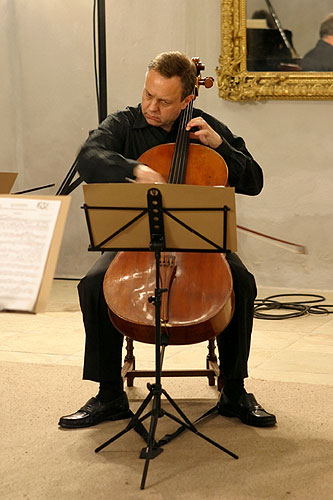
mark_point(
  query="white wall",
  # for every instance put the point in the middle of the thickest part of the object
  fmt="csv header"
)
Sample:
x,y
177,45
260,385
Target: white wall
x,y
48,106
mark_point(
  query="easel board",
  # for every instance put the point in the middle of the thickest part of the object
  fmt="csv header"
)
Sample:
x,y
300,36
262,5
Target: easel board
x,y
201,211
7,180
31,230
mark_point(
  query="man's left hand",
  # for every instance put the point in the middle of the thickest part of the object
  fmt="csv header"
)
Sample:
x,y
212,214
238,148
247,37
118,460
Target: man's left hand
x,y
205,133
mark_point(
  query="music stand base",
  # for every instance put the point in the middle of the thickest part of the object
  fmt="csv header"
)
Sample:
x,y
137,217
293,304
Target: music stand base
x,y
152,454
153,448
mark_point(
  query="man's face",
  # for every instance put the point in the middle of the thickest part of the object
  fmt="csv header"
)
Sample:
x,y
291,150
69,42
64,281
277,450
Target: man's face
x,y
161,99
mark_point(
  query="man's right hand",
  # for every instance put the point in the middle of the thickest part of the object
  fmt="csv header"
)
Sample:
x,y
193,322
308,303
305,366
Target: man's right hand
x,y
146,175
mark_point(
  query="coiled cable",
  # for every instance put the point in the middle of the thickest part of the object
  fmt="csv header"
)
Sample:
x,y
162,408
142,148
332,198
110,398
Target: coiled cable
x,y
299,308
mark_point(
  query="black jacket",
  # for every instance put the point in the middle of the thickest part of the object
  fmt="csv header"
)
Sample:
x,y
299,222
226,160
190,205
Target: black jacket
x,y
110,152
320,58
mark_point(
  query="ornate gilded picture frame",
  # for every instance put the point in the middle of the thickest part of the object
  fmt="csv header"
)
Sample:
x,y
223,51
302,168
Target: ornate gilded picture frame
x,y
235,83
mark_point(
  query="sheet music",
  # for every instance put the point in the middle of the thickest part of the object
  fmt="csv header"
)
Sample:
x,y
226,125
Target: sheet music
x,y
26,230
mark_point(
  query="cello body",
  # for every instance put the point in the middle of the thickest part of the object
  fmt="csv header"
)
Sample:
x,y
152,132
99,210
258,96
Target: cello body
x,y
199,301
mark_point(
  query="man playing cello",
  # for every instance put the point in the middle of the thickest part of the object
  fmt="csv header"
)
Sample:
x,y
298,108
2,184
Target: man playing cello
x,y
110,155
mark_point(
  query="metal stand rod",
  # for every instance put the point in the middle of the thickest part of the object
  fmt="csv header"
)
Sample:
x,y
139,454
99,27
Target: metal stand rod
x,y
67,186
102,94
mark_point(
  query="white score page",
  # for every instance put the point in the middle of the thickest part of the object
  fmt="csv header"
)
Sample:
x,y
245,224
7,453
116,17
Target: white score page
x,y
26,230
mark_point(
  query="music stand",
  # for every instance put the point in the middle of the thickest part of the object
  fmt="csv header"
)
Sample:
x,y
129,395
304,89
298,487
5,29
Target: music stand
x,y
131,230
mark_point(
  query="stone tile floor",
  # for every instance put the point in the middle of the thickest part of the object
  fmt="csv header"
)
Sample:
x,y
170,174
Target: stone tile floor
x,y
288,350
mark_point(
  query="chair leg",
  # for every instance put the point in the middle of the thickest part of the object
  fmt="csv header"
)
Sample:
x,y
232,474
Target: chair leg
x,y
129,363
211,363
212,370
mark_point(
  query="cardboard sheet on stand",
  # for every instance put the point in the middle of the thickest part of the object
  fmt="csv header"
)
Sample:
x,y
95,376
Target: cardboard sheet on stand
x,y
7,180
30,238
202,211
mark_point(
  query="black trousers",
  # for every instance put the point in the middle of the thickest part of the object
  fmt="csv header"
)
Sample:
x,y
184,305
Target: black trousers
x,y
103,349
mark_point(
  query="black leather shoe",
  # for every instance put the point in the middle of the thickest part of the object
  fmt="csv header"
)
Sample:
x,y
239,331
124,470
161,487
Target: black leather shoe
x,y
94,412
247,409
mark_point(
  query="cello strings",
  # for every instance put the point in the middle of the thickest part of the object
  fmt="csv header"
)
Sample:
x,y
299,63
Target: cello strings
x,y
174,172
178,166
185,142
180,152
181,157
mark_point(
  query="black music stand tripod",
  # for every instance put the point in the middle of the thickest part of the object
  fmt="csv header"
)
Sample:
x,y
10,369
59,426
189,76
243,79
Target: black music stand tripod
x,y
153,448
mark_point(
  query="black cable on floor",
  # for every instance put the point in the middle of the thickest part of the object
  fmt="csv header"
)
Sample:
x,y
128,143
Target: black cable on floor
x,y
299,308
67,279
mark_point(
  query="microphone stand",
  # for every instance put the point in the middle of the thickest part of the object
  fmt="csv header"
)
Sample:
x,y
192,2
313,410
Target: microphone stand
x,y
34,189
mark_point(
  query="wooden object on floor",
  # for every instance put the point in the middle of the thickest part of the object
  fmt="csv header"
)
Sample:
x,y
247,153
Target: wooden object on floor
x,y
212,371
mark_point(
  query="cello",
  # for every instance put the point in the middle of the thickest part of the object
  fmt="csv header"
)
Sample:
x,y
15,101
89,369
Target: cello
x,y
199,299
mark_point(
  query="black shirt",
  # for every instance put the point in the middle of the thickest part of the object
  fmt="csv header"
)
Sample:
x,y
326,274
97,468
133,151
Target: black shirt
x,y
111,151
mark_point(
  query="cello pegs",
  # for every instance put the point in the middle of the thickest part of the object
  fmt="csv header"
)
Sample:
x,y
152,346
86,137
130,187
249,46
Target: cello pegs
x,y
207,81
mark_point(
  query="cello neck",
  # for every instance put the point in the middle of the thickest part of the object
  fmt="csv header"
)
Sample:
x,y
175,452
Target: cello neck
x,y
179,159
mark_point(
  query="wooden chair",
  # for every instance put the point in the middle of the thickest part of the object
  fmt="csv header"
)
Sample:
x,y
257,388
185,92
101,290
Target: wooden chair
x,y
212,371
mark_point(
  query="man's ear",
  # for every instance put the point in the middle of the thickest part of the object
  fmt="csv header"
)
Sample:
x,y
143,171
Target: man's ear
x,y
187,100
